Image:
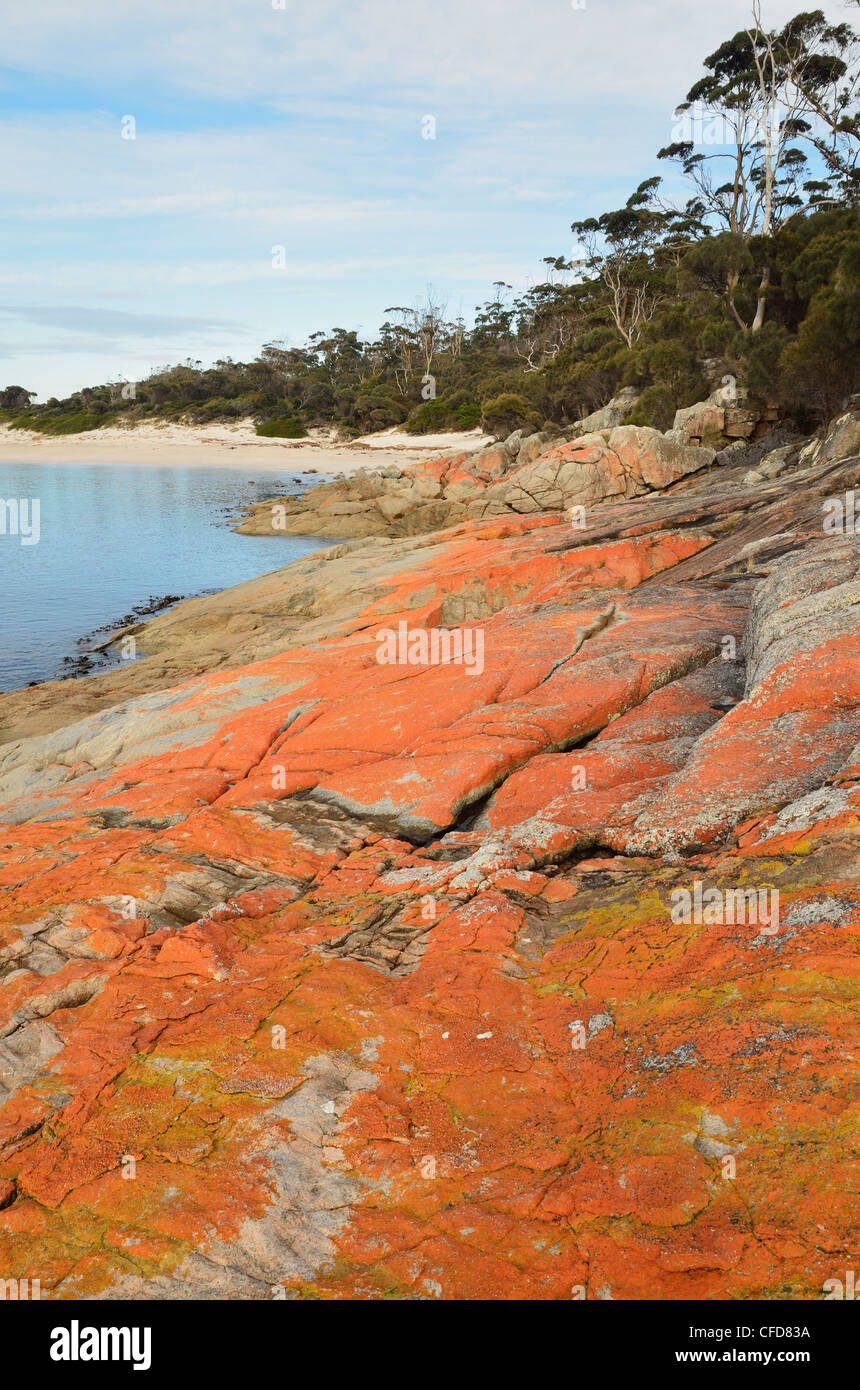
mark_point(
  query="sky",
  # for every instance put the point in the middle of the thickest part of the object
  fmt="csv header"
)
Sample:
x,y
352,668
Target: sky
x,y
194,178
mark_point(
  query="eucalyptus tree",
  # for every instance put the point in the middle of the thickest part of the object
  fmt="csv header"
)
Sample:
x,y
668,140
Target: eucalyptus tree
x,y
619,251
766,93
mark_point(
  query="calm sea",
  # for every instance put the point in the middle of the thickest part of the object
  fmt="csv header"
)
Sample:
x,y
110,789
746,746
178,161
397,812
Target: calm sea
x,y
114,537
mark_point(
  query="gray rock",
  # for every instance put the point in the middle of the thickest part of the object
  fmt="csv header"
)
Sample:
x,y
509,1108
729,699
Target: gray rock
x,y
532,447
841,440
610,415
775,462
513,443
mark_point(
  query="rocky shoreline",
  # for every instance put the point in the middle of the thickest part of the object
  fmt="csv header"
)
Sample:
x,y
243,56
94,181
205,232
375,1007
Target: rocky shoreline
x,y
407,980
519,475
97,650
591,463
93,650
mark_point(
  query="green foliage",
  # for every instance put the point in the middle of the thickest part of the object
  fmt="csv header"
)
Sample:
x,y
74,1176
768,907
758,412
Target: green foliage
x,y
556,354
14,399
655,407
768,283
286,428
762,362
428,417
75,423
716,336
819,368
468,416
377,406
716,261
509,412
675,367
452,411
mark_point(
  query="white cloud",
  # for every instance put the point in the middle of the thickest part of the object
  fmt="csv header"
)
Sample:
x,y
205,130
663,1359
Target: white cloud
x,y
485,52
96,321
302,127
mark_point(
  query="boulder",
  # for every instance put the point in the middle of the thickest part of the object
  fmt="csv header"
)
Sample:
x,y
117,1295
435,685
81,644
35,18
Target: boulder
x,y
428,485
740,423
840,440
706,420
494,461
611,414
653,460
393,506
727,414
461,485
732,453
535,445
513,443
776,461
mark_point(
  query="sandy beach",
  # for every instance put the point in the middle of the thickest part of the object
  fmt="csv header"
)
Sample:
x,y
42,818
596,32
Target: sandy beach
x,y
231,446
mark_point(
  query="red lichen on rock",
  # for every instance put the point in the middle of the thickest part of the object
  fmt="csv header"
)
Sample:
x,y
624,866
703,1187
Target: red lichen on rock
x,y
333,977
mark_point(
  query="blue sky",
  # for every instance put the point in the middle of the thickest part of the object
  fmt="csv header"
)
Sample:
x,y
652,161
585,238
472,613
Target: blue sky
x,y
301,127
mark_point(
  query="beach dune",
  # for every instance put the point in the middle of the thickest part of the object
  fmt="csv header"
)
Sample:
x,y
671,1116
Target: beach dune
x,y
230,446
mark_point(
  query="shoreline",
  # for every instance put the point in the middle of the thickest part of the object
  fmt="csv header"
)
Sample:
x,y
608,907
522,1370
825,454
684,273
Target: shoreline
x,y
97,643
105,660
229,446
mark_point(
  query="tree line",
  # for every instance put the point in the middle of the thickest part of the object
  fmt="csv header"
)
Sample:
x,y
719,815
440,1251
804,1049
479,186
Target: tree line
x,y
757,268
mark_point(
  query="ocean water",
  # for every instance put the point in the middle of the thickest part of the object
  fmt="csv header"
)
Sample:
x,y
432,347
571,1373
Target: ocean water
x,y
112,537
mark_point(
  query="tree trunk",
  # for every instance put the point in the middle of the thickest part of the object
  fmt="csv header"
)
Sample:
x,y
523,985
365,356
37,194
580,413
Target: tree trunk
x,y
762,301
731,281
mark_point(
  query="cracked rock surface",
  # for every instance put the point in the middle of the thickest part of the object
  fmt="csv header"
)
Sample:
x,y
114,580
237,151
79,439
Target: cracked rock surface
x,y
321,977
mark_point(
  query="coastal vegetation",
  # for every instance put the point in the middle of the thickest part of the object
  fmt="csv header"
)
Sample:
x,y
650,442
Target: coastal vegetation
x,y
756,269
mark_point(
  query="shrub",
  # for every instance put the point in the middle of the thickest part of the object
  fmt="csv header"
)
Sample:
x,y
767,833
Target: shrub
x,y
655,407
216,409
453,411
15,398
427,417
376,407
761,362
468,415
76,423
676,368
286,428
509,412
820,367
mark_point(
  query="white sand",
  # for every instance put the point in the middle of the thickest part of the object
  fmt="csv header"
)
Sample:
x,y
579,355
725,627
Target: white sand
x,y
230,446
